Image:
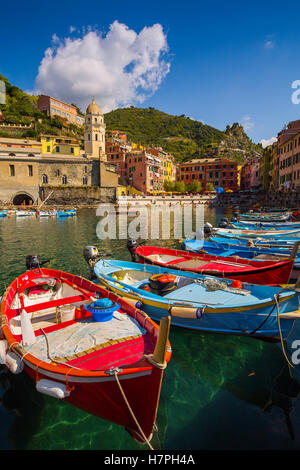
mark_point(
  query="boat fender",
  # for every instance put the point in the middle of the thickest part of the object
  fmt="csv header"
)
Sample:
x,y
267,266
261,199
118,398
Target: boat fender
x,y
52,388
135,303
237,284
187,312
3,349
28,335
14,364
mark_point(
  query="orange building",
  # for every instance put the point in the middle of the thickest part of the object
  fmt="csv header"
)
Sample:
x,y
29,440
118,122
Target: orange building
x,y
53,107
217,171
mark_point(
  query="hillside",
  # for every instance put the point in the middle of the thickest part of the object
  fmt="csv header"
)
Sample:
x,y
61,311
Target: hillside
x,y
21,109
185,138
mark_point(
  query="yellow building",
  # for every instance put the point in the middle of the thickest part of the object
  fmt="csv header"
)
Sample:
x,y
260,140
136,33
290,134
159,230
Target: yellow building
x,y
239,169
135,146
54,144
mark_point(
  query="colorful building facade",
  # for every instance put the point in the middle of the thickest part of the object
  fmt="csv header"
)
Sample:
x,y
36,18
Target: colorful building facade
x,y
216,172
53,144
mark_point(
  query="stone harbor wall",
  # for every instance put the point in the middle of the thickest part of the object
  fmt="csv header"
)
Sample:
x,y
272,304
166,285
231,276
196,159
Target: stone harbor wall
x,y
77,196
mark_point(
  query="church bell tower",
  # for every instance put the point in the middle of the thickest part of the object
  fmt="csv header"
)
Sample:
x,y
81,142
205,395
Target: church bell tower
x,y
94,132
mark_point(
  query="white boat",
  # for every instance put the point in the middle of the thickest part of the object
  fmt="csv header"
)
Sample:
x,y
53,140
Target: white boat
x,y
25,213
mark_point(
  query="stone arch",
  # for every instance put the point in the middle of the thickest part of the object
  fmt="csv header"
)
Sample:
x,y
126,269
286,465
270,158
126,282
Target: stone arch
x,y
22,198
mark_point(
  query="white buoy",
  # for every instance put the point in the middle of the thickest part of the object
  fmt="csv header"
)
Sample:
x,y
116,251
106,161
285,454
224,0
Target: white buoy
x,y
14,363
3,349
28,336
52,388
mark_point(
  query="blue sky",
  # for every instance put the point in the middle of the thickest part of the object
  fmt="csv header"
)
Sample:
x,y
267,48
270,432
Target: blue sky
x,y
228,61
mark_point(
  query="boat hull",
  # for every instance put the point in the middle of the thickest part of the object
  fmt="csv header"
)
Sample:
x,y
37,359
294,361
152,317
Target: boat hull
x,y
102,397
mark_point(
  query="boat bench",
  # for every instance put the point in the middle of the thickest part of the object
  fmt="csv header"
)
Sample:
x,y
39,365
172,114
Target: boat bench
x,y
228,253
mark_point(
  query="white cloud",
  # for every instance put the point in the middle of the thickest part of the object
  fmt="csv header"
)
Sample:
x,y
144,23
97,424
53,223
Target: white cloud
x,y
247,123
266,142
269,44
120,68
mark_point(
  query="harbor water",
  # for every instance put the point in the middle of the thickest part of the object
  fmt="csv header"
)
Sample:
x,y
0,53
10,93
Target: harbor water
x,y
219,392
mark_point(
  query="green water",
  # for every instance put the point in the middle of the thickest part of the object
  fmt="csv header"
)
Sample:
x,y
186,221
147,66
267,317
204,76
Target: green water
x,y
219,392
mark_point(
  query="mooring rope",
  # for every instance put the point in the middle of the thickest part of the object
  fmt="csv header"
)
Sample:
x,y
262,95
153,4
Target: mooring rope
x,y
280,333
131,412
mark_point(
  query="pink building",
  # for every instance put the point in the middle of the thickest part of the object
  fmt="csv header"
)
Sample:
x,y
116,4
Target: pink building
x,y
288,157
250,179
143,171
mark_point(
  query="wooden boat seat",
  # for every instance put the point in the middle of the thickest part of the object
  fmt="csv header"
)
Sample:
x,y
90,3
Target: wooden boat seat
x,y
190,263
56,303
229,253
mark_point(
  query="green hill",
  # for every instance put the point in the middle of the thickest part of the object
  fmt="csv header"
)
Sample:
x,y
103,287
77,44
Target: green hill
x,y
185,138
21,108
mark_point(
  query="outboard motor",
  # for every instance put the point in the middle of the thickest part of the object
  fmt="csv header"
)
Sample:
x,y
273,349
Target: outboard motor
x,y
131,246
90,253
34,262
208,228
234,219
223,222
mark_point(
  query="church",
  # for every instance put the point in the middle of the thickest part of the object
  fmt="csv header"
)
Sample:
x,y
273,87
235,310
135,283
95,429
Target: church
x,y
94,145
65,167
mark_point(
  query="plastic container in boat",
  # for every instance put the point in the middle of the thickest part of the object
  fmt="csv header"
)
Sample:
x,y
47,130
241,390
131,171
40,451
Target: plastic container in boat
x,y
67,312
102,309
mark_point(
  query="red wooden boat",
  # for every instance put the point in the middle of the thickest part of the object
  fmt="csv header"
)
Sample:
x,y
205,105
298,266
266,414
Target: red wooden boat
x,y
86,346
247,270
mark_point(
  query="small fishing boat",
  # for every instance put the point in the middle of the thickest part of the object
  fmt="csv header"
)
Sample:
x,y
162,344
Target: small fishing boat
x,y
46,213
267,217
259,253
3,213
246,270
66,213
25,213
85,346
235,233
202,303
265,225
271,243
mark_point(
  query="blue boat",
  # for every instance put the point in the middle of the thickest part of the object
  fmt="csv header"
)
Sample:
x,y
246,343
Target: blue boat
x,y
202,303
3,213
266,217
266,243
67,213
265,226
225,249
250,234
